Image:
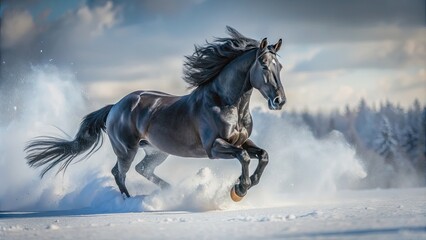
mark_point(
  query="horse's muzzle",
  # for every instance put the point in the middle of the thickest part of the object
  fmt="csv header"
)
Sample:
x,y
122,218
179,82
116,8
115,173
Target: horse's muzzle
x,y
277,103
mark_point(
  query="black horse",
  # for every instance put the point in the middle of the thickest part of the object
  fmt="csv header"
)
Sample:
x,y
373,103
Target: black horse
x,y
212,121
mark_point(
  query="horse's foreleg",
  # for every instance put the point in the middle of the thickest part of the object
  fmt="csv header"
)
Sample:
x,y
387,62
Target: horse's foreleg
x,y
223,149
256,152
146,167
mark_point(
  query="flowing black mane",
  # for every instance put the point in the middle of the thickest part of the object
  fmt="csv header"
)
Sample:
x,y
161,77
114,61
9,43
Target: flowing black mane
x,y
208,61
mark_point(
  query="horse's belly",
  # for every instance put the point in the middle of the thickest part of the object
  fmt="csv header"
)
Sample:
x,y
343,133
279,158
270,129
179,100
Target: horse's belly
x,y
183,143
165,121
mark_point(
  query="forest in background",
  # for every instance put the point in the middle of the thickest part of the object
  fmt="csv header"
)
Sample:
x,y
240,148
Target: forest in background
x,y
389,140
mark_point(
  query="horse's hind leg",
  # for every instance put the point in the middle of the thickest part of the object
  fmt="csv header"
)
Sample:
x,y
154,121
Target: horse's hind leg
x,y
152,159
124,161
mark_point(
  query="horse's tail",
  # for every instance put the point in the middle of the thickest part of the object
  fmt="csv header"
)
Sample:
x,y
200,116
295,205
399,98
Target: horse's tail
x,y
51,151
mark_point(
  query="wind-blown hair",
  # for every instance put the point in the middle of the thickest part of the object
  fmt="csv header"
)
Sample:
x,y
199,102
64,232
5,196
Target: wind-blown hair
x,y
208,61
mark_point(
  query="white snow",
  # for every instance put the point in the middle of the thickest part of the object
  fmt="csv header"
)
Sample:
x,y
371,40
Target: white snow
x,y
368,214
52,227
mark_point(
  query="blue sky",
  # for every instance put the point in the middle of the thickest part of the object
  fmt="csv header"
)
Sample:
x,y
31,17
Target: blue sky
x,y
334,52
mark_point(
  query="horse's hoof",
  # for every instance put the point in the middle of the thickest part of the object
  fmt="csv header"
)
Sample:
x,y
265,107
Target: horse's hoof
x,y
234,195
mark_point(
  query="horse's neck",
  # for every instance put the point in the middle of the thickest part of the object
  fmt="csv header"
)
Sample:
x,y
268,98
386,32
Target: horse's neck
x,y
233,83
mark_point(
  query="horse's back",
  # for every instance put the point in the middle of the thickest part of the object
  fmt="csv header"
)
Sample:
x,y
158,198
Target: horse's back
x,y
127,112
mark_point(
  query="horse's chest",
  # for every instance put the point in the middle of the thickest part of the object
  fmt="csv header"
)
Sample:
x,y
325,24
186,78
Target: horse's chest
x,y
238,136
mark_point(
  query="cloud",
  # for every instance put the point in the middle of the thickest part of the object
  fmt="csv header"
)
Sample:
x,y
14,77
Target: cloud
x,y
137,11
368,55
399,84
343,13
26,42
17,28
315,22
329,90
166,6
94,21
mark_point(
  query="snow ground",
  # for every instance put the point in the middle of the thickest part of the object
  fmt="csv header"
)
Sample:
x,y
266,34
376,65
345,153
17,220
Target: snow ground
x,y
367,214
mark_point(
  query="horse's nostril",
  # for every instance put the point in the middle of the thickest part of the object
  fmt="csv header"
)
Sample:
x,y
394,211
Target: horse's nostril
x,y
277,100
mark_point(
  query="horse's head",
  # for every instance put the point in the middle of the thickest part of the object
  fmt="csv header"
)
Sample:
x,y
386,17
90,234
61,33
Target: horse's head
x,y
265,74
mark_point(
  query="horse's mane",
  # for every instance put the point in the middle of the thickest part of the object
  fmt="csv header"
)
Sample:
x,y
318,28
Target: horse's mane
x,y
208,61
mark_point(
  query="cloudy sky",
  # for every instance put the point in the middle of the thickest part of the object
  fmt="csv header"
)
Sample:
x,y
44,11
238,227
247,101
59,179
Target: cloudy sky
x,y
335,52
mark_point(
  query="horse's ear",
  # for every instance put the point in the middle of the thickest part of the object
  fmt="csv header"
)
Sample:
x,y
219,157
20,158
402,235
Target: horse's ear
x,y
277,45
263,44
262,47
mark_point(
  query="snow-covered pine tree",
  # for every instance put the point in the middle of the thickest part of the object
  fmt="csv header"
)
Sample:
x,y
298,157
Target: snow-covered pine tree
x,y
364,125
410,142
385,143
411,133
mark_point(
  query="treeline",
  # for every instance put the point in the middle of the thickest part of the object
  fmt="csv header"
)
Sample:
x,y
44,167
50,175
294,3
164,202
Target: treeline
x,y
390,140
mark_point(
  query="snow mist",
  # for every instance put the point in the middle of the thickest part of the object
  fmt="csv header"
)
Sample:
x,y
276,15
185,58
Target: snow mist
x,y
300,166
